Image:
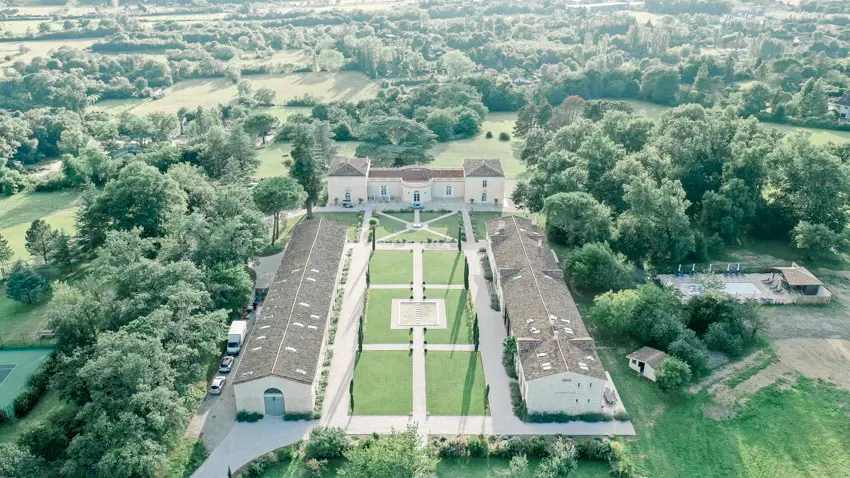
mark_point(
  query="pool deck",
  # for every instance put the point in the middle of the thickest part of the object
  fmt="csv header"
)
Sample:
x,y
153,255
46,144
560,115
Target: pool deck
x,y
766,294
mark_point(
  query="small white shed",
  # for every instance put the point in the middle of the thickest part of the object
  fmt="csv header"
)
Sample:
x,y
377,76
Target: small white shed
x,y
646,361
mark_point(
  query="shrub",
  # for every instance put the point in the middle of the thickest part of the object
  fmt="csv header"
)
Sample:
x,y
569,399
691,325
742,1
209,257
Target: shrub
x,y
256,468
518,404
673,375
536,446
4,416
294,417
326,443
25,401
477,447
509,351
489,135
454,448
246,416
503,136
594,449
494,302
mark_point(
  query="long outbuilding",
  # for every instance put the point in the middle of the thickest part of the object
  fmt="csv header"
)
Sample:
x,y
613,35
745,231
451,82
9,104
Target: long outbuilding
x,y
281,362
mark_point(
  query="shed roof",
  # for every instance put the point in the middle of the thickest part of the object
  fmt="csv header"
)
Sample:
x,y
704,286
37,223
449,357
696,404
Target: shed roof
x,y
349,167
484,168
797,276
287,337
649,355
551,337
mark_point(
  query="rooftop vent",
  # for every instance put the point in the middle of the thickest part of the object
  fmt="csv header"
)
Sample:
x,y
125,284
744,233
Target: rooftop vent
x,y
565,321
534,221
311,279
530,321
304,304
583,366
255,349
501,226
590,357
295,270
248,373
298,324
547,364
290,349
314,316
549,367
301,371
261,337
542,354
314,270
568,330
265,326
311,327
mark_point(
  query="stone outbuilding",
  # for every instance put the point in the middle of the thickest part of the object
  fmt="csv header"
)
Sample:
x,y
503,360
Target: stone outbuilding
x,y
646,361
281,363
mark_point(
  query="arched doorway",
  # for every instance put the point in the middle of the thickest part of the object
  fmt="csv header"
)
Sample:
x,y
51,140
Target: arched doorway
x,y
273,399
415,196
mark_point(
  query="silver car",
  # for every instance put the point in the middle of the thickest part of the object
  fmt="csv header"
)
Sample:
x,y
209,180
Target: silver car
x,y
226,364
217,385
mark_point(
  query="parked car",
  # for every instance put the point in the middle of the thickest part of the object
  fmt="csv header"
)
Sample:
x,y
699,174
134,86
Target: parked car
x,y
417,205
226,364
217,385
347,204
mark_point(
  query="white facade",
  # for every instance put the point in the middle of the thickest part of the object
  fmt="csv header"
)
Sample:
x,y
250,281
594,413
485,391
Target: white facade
x,y
484,190
565,392
642,368
251,396
843,111
352,188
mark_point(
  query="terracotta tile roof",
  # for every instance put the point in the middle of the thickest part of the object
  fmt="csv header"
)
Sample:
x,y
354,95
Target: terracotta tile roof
x,y
551,337
349,167
415,173
483,168
797,276
287,337
649,355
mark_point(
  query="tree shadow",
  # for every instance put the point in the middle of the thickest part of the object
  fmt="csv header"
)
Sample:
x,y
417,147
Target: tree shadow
x,y
468,382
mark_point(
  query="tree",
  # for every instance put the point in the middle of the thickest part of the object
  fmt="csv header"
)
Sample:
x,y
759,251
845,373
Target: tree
x,y
596,267
6,253
660,84
457,64
466,274
517,468
72,140
246,91
25,285
330,60
13,134
562,460
307,169
812,101
394,141
576,218
276,194
755,98
326,443
534,146
730,209
441,122
265,96
17,461
673,375
373,223
691,350
397,454
40,239
231,287
564,114
61,249
164,125
260,124
534,114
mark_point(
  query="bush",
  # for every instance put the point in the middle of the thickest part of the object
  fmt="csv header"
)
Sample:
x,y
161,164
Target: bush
x,y
596,267
536,446
566,417
518,404
489,135
326,443
25,401
256,468
294,417
504,136
4,416
509,351
594,449
477,447
494,302
246,416
673,375
454,448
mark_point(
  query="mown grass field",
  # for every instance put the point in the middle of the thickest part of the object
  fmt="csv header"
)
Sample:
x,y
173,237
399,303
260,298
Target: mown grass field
x,y
442,267
377,328
19,210
455,384
208,92
38,48
458,322
451,154
391,267
383,383
273,155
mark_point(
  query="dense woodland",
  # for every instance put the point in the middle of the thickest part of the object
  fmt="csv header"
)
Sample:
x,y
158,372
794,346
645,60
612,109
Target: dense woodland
x,y
168,222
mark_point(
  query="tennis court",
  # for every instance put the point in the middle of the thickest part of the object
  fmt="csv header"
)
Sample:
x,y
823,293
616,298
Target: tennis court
x,y
16,364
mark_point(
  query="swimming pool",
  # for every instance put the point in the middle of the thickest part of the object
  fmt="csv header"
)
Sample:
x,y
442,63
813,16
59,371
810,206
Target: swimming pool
x,y
731,288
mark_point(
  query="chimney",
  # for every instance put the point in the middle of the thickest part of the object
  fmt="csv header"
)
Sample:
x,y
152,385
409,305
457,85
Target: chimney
x,y
556,334
501,227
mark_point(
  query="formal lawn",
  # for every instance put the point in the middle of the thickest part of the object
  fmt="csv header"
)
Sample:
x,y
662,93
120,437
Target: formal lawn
x,y
353,220
449,226
458,319
407,216
387,226
391,267
426,216
383,383
786,429
479,222
379,317
19,210
442,267
417,236
452,153
455,383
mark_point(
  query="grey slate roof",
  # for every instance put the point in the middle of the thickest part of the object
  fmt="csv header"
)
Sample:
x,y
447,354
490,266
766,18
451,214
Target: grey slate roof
x,y
483,168
415,173
844,100
649,355
349,167
551,337
287,338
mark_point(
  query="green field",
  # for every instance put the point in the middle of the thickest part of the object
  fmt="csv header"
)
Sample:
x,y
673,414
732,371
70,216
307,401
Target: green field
x,y
455,383
19,322
39,48
443,267
208,92
116,107
819,136
479,222
451,154
273,155
19,210
458,321
387,226
383,383
449,226
16,364
379,317
417,236
391,267
494,467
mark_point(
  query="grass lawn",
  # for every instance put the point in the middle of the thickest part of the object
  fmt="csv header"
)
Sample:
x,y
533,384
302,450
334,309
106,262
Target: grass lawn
x,y
387,226
458,320
455,383
425,216
391,267
19,323
379,317
491,468
452,153
783,430
404,216
383,383
116,107
186,457
449,226
417,236
208,92
273,154
351,218
19,210
479,225
442,267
